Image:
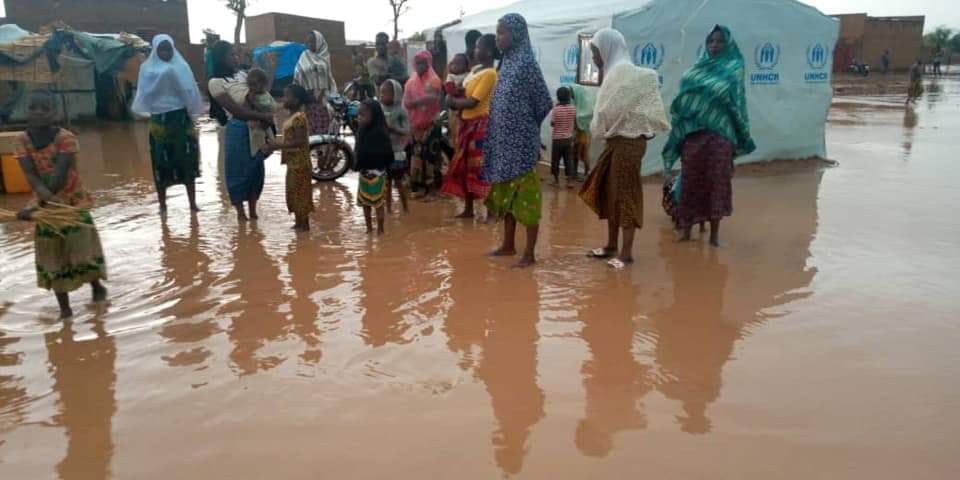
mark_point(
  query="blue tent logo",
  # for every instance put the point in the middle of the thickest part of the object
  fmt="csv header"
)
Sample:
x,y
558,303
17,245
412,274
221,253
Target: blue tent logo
x,y
817,56
767,56
649,55
571,57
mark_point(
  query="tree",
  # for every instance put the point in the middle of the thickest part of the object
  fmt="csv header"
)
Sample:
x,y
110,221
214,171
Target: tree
x,y
399,8
955,43
239,8
938,39
418,37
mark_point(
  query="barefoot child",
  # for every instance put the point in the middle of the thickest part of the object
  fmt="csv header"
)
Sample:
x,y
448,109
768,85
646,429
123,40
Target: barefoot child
x,y
374,155
296,155
398,124
67,258
259,100
563,122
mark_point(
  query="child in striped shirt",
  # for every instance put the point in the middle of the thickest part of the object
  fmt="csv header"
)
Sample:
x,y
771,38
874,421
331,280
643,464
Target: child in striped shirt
x,y
563,122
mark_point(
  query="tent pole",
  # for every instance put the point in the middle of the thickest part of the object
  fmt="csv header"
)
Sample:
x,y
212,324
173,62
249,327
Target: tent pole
x,y
66,109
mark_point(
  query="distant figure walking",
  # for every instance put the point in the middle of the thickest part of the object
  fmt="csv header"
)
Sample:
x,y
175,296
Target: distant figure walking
x,y
885,62
710,128
167,91
916,82
937,62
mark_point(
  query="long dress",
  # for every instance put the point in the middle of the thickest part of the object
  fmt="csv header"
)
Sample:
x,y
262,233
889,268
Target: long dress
x,y
174,149
299,179
66,258
465,174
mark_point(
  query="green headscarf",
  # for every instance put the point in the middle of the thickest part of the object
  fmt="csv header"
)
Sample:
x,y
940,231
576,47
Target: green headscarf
x,y
712,97
584,103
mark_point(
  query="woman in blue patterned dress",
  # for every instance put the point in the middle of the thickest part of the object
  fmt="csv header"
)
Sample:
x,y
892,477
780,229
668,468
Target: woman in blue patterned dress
x,y
521,101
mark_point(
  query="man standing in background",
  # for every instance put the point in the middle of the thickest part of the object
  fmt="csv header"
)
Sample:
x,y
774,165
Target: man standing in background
x,y
377,66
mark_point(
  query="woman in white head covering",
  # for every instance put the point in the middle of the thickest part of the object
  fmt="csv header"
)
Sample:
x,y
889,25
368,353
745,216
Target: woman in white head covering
x,y
629,111
314,72
167,91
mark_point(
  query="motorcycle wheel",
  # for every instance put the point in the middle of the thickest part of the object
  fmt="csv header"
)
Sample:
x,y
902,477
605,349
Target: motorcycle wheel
x,y
330,161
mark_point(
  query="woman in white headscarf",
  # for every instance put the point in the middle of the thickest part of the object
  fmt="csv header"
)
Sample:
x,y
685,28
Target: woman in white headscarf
x,y
314,72
628,113
167,91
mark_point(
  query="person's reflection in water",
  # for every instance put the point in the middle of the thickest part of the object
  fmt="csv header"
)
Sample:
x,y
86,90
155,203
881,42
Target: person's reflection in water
x,y
909,124
84,378
187,273
13,396
464,325
695,341
304,310
258,283
509,366
613,379
382,324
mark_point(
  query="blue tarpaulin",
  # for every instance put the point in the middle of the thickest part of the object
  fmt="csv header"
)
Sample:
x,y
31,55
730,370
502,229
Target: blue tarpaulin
x,y
287,54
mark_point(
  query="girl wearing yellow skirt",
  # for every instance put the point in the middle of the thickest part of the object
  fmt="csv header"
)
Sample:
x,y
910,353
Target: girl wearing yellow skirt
x,y
374,154
67,257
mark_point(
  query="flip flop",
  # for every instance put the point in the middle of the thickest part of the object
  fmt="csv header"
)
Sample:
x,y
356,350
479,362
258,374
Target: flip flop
x,y
601,253
618,264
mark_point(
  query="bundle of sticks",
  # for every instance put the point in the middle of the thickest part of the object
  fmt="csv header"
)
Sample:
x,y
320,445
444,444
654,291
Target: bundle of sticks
x,y
53,215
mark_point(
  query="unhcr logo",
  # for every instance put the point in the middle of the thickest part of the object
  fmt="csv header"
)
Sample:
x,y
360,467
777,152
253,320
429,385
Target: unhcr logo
x,y
571,57
766,58
649,55
817,58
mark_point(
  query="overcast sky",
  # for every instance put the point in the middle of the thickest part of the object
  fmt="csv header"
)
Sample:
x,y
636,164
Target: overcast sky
x,y
364,18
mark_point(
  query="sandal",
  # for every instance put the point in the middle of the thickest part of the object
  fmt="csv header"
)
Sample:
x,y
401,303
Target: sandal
x,y
602,253
618,264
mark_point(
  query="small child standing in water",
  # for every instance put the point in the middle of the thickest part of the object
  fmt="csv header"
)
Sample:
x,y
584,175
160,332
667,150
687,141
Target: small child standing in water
x,y
296,155
69,257
398,125
260,100
374,156
563,121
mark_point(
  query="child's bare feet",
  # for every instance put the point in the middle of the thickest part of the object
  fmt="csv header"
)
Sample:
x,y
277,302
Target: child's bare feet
x,y
526,262
503,252
99,292
465,215
65,314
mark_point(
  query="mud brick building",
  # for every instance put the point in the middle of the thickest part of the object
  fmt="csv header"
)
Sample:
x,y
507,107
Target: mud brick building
x,y
270,27
145,18
865,38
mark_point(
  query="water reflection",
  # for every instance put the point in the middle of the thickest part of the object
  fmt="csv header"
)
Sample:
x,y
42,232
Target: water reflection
x,y
509,366
255,323
909,124
694,339
188,275
305,313
84,378
13,395
613,379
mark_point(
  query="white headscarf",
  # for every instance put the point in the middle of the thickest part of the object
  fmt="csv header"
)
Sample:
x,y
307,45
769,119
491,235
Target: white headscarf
x,y
629,103
165,87
314,70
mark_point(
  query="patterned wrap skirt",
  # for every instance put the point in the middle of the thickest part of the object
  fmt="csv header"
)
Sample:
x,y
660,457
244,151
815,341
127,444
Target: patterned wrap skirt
x,y
372,190
244,172
520,197
174,149
318,117
916,89
299,186
707,171
70,257
466,168
614,189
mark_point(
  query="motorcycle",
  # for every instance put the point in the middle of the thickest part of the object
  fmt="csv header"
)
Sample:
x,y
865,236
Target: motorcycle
x,y
331,154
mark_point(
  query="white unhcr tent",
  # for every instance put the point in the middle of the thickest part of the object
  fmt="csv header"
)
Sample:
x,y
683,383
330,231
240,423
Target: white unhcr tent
x,y
787,46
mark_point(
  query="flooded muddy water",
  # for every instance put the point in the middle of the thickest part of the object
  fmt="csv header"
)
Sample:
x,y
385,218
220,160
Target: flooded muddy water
x,y
819,342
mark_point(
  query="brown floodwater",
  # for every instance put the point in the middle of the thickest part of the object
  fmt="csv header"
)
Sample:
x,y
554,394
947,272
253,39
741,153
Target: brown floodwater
x,y
819,342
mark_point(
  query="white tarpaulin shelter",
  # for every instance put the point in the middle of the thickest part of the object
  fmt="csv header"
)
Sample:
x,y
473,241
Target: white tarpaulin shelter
x,y
787,46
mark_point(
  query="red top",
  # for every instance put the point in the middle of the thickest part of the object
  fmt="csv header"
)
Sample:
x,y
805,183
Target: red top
x,y
564,119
